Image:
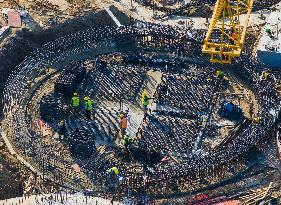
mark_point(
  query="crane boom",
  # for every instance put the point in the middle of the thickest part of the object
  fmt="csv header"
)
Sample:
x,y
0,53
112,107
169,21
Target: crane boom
x,y
228,23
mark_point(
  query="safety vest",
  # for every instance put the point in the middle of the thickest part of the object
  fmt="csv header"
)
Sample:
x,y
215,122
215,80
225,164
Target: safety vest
x,y
75,101
127,139
234,36
124,123
257,120
219,73
113,170
145,100
265,75
89,105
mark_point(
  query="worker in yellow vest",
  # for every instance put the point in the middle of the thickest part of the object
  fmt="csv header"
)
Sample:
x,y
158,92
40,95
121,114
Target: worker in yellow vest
x,y
219,74
265,75
88,106
257,120
113,171
75,102
113,177
145,100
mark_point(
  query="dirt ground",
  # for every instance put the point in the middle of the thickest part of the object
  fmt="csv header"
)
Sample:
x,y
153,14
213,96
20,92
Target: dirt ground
x,y
10,177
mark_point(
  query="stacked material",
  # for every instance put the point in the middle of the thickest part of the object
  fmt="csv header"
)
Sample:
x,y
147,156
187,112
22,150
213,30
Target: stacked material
x,y
52,107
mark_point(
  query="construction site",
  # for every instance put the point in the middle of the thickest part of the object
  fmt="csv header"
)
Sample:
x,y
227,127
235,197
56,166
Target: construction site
x,y
140,102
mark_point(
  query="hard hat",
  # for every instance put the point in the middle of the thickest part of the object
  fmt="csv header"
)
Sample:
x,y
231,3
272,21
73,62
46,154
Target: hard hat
x,y
257,119
219,72
62,121
75,94
121,115
265,74
86,98
144,92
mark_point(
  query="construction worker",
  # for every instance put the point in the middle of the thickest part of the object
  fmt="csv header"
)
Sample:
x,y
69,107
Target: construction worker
x,y
75,102
113,171
207,11
62,130
85,103
219,74
233,36
269,33
127,141
88,105
257,120
123,124
265,75
145,100
112,179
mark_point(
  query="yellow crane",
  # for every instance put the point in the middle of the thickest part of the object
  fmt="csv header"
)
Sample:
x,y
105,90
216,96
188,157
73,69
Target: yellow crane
x,y
227,23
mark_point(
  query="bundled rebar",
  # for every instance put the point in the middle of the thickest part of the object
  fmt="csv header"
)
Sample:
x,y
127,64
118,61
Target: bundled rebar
x,y
52,107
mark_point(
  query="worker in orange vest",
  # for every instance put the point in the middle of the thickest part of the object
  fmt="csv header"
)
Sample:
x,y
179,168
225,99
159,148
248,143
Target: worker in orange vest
x,y
233,35
123,124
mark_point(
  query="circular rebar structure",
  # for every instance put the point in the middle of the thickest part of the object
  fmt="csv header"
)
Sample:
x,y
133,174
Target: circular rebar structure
x,y
188,91
193,7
